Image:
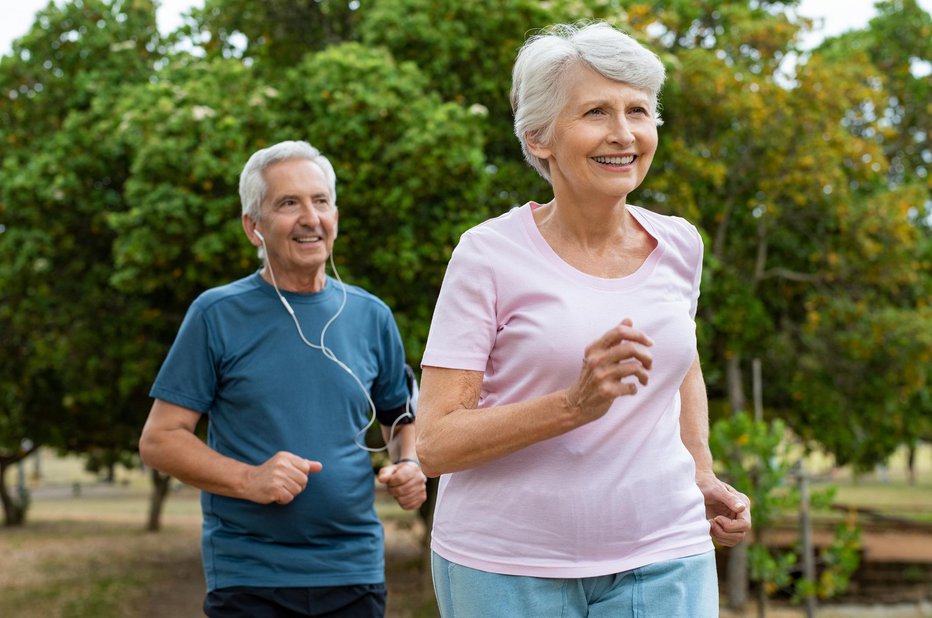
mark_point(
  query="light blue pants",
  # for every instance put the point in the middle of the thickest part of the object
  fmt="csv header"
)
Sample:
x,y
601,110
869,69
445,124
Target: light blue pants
x,y
683,588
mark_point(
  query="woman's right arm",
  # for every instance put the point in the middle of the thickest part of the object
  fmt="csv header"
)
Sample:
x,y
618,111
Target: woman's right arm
x,y
453,434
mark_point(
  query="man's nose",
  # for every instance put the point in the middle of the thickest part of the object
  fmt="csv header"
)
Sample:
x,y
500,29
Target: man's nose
x,y
309,216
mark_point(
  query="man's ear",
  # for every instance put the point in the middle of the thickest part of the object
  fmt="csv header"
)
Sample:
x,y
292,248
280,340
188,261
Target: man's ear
x,y
249,226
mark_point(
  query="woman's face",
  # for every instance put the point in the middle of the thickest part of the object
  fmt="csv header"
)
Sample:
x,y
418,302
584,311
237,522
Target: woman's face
x,y
604,138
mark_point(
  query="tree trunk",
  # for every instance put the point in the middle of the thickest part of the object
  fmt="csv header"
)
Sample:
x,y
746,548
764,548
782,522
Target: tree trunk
x,y
14,513
735,384
911,464
738,576
426,512
761,600
160,486
737,570
14,509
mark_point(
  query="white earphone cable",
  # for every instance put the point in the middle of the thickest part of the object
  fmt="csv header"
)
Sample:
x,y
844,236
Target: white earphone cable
x,y
327,352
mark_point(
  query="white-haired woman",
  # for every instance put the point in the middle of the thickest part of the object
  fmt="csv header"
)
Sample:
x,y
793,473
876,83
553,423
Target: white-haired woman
x,y
562,398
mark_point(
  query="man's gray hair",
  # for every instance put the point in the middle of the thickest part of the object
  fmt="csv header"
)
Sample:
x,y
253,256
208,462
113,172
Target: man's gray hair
x,y
539,80
252,185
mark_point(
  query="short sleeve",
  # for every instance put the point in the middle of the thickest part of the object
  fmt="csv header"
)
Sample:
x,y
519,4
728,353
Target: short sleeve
x,y
464,324
390,388
188,377
697,279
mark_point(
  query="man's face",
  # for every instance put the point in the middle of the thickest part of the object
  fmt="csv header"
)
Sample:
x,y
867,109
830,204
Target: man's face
x,y
298,221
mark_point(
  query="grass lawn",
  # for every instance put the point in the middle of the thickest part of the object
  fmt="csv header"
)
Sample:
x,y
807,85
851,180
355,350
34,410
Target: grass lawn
x,y
73,563
84,553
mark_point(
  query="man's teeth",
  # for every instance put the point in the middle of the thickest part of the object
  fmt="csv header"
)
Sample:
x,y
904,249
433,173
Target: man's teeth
x,y
308,238
626,160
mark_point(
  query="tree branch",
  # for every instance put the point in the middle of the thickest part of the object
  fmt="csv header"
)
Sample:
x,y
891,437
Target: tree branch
x,y
785,273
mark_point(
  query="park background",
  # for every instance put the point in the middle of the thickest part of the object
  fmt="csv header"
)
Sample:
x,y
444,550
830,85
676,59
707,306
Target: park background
x,y
806,169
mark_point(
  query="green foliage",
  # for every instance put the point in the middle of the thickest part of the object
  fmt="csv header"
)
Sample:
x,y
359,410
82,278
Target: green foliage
x,y
842,363
466,50
57,181
796,186
898,41
275,33
409,169
839,561
187,135
757,460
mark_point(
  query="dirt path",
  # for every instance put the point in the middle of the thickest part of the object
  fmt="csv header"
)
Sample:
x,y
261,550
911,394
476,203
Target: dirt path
x,y
181,593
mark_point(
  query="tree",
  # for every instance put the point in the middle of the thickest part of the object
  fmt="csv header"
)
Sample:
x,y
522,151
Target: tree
x,y
758,457
466,50
56,184
186,134
774,172
409,167
121,156
273,33
897,42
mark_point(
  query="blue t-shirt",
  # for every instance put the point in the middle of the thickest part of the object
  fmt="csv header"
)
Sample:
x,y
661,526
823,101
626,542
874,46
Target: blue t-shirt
x,y
238,358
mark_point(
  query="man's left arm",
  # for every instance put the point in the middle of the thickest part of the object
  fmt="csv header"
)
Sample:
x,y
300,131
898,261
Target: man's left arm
x,y
728,510
403,477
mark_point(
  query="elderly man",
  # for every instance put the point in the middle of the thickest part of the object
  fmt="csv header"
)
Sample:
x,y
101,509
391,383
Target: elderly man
x,y
291,366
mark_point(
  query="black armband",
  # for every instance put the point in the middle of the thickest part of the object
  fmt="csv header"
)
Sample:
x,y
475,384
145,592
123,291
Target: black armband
x,y
399,414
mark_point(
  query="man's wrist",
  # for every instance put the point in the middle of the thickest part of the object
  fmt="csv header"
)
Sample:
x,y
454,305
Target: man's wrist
x,y
409,460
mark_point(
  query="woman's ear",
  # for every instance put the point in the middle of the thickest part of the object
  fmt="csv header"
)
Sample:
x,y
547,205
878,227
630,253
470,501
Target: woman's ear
x,y
535,146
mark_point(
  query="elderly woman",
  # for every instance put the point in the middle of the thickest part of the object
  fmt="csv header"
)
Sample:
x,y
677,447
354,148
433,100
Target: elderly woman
x,y
562,398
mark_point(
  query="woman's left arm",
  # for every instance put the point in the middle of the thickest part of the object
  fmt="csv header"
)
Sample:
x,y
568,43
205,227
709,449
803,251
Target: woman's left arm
x,y
728,510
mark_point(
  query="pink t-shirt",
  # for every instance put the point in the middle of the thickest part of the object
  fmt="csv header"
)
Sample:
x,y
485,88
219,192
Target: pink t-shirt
x,y
612,495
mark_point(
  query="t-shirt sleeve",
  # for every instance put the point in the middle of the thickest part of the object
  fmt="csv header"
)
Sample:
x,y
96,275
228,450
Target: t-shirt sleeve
x,y
390,389
188,376
697,279
464,324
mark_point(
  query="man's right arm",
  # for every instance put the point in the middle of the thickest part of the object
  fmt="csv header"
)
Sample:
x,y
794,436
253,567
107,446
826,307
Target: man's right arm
x,y
169,444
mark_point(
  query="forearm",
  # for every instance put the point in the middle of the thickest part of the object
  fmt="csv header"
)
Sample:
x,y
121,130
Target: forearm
x,y
182,455
454,434
694,418
468,437
402,444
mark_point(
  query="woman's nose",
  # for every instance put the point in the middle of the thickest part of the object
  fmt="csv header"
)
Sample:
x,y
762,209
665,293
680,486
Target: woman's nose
x,y
621,133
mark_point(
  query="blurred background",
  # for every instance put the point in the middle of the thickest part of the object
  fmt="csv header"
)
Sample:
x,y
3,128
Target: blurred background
x,y
796,136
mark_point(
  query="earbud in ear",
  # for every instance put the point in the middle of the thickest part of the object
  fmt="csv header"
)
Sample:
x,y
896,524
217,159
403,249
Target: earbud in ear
x,y
259,235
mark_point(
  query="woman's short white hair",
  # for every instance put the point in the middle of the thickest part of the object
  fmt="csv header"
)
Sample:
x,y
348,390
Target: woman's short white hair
x,y
539,80
252,185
